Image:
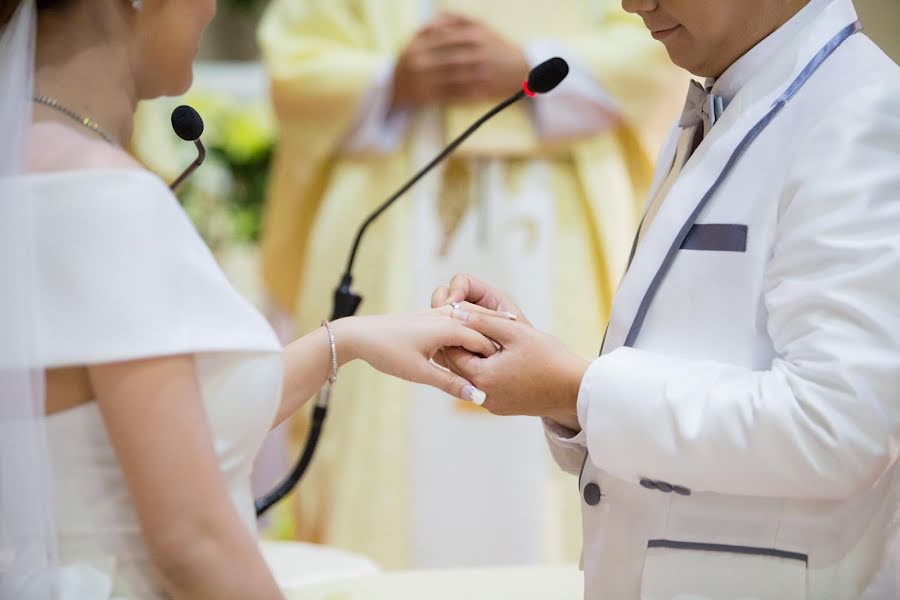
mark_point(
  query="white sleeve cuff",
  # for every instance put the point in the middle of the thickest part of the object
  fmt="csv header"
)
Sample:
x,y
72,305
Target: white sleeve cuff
x,y
562,435
377,128
586,391
579,107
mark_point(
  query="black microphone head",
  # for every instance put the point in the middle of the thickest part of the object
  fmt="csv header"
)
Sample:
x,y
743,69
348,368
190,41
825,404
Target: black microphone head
x,y
547,75
187,123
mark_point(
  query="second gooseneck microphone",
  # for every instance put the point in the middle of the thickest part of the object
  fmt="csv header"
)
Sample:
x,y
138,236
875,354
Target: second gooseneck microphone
x,y
188,126
542,79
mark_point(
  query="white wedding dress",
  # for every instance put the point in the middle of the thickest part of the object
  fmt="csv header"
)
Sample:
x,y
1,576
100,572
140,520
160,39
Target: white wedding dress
x,y
122,275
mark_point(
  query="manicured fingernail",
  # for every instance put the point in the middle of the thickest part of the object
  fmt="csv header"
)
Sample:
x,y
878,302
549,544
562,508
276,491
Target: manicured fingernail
x,y
473,394
460,314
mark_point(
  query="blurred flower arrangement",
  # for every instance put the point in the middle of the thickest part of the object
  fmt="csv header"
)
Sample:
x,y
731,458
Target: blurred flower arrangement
x,y
225,196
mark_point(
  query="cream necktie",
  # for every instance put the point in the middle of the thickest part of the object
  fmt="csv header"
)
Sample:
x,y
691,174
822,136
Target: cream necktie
x,y
701,110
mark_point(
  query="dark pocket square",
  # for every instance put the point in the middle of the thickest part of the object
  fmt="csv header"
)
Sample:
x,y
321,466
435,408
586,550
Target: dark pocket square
x,y
722,237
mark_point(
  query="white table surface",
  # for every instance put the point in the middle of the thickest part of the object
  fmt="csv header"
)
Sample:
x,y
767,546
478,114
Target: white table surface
x,y
297,565
499,583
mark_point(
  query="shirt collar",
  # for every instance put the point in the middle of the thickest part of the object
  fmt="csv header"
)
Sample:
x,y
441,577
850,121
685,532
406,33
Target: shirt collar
x,y
743,69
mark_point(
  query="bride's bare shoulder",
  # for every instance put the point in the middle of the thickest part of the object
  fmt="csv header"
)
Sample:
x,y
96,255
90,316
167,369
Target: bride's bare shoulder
x,y
56,147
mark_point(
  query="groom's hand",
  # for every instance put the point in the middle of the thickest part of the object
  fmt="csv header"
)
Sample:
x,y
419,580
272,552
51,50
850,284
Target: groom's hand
x,y
466,288
532,374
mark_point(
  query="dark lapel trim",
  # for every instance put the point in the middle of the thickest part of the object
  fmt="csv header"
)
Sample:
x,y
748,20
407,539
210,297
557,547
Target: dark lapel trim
x,y
750,550
581,472
738,153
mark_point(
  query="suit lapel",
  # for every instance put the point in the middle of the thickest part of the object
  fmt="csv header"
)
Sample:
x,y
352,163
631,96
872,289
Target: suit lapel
x,y
679,210
664,162
664,166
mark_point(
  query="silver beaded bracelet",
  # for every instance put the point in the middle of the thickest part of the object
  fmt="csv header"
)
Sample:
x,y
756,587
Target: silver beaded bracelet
x,y
334,362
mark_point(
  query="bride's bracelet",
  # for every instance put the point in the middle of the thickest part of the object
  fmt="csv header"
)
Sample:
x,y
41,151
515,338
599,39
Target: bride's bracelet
x,y
334,361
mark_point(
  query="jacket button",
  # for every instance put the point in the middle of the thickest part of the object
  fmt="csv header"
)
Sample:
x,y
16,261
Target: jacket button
x,y
648,483
664,487
592,494
681,491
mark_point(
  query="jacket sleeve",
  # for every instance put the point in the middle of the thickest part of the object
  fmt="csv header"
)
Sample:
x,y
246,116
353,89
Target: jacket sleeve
x,y
566,446
321,60
824,420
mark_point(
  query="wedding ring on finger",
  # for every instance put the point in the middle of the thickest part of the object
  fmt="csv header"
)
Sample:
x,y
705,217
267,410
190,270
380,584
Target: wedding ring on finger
x,y
458,312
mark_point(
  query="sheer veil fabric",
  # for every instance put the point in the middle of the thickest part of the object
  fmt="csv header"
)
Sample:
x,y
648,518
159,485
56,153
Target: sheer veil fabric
x,y
28,556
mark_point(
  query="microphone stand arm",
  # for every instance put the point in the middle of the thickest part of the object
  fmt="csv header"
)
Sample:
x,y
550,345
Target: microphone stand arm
x,y
346,303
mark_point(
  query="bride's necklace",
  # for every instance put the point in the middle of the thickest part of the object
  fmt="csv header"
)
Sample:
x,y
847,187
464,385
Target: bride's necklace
x,y
84,121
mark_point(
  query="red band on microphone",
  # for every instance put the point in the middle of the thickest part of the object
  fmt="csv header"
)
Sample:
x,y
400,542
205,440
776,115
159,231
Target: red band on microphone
x,y
527,89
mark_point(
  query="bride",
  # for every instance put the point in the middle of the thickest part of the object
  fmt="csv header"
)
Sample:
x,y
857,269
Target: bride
x,y
135,384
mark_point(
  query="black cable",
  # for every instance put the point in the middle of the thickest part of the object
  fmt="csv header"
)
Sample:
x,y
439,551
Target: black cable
x,y
290,482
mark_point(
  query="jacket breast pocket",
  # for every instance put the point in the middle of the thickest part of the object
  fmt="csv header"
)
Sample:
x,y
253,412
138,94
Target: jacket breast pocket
x,y
720,237
679,570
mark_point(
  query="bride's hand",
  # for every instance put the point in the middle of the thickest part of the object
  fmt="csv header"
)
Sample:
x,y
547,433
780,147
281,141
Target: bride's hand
x,y
404,346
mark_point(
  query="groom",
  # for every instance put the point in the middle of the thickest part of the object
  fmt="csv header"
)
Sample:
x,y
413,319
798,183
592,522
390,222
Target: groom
x,y
739,432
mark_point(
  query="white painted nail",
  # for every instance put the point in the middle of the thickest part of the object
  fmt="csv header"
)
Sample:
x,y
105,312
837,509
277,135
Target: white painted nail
x,y
460,314
474,395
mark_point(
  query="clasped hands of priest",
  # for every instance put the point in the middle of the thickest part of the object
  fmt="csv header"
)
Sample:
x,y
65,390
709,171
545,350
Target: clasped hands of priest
x,y
532,373
456,58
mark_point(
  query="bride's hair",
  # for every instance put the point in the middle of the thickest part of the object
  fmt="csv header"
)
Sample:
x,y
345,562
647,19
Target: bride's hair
x,y
44,4
8,7
161,46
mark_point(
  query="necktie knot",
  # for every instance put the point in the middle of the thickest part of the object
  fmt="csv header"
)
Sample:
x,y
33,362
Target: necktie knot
x,y
701,106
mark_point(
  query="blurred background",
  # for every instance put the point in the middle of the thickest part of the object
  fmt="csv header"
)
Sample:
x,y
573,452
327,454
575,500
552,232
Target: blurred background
x,y
303,138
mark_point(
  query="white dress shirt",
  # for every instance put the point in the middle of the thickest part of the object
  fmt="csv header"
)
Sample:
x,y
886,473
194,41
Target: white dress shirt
x,y
579,107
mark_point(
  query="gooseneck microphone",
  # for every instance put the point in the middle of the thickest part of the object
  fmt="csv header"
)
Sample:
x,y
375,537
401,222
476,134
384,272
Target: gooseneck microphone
x,y
188,126
542,79
546,76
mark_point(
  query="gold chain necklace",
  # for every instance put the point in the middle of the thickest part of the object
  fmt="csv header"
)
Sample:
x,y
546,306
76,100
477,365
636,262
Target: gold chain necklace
x,y
84,121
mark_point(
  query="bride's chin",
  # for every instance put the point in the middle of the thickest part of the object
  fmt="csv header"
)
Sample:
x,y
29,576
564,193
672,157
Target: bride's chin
x,y
186,83
173,85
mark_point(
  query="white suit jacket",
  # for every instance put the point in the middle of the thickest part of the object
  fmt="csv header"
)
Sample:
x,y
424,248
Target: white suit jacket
x,y
741,427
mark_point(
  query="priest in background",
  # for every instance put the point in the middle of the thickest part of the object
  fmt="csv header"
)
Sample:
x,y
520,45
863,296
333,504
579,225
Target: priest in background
x,y
542,201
